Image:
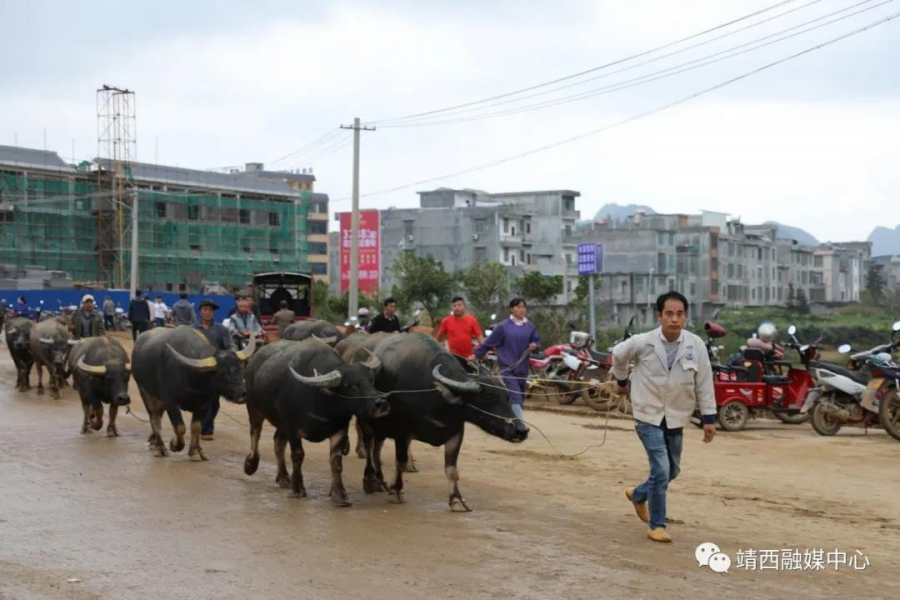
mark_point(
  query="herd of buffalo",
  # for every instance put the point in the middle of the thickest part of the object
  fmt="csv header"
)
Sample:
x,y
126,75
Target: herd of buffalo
x,y
307,385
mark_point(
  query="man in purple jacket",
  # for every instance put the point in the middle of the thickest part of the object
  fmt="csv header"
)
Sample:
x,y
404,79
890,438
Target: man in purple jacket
x,y
515,339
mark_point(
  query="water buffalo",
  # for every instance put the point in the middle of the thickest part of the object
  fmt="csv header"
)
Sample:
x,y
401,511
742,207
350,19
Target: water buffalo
x,y
312,328
18,336
50,342
179,369
307,392
437,416
100,372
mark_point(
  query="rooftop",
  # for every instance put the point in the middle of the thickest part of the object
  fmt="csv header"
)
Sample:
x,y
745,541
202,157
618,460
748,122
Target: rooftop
x,y
36,159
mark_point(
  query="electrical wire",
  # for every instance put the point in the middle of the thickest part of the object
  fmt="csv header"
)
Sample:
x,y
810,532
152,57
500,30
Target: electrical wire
x,y
313,145
638,116
678,69
587,71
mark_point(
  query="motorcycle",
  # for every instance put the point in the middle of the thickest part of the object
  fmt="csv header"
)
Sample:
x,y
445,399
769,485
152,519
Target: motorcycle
x,y
849,395
601,392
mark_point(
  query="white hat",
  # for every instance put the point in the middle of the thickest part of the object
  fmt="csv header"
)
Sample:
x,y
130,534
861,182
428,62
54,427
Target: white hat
x,y
363,312
87,297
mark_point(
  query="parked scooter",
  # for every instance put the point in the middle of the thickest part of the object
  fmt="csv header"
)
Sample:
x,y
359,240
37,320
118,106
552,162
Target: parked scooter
x,y
850,396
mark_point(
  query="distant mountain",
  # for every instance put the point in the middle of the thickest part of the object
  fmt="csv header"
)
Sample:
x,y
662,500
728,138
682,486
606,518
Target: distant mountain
x,y
885,241
618,212
786,232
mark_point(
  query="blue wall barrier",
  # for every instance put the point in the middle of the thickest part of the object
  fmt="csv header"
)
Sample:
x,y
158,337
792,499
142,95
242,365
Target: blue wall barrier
x,y
53,298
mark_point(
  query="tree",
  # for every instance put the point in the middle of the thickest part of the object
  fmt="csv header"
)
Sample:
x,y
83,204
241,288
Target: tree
x,y
425,281
802,302
485,286
875,285
539,288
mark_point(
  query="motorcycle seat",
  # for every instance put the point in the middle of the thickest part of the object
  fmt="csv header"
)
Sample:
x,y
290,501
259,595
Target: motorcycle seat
x,y
852,375
601,357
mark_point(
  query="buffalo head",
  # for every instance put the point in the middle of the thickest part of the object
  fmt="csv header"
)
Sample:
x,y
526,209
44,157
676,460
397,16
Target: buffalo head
x,y
354,382
111,378
485,398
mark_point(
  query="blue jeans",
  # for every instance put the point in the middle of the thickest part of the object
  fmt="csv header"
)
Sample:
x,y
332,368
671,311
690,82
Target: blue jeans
x,y
209,419
663,446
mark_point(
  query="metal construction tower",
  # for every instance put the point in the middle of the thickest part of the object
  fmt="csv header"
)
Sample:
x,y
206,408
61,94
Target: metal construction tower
x,y
116,141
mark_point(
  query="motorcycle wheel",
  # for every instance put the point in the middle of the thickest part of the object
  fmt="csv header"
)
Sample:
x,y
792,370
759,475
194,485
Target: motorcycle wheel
x,y
821,422
889,413
598,395
792,419
733,416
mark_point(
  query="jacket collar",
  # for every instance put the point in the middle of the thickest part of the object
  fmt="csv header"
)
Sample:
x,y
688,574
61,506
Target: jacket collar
x,y
656,340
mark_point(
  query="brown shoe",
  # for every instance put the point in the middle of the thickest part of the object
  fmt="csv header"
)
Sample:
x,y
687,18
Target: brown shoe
x,y
643,512
659,535
207,436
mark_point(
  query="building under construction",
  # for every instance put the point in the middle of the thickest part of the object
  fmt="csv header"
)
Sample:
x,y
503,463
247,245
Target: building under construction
x,y
195,228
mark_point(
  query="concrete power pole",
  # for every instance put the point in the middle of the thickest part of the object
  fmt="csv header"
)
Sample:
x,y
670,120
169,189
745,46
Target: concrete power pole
x,y
134,242
354,220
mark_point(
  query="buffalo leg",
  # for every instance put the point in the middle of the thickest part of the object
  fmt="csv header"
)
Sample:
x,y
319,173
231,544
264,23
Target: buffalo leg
x,y
155,409
86,424
451,455
411,464
251,461
55,377
112,430
176,444
297,456
338,493
97,415
379,472
401,451
373,478
196,452
360,441
282,478
40,373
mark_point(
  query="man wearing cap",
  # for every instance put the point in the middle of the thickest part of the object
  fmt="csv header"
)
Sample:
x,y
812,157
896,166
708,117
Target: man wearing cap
x,y
283,318
220,337
87,322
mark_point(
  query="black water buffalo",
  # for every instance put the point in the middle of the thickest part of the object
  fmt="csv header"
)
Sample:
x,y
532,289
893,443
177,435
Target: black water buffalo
x,y
18,337
416,362
357,347
307,392
100,372
50,342
179,369
312,328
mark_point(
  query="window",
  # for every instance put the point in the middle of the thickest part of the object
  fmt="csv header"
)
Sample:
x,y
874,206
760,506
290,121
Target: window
x,y
568,231
753,294
505,225
317,207
528,259
480,225
506,255
193,212
244,216
818,262
319,268
568,203
513,230
730,271
274,219
408,227
318,248
569,286
521,256
661,239
568,259
161,210
528,227
196,248
513,261
319,227
693,289
480,254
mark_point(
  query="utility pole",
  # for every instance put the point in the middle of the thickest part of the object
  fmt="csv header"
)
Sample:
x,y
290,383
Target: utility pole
x,y
134,242
354,220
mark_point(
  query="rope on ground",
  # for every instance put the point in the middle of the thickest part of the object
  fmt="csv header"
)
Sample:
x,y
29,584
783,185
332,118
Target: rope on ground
x,y
128,411
235,420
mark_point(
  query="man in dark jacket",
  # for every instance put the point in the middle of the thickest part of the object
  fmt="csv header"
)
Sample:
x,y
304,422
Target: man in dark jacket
x,y
387,321
183,311
138,314
87,322
220,337
283,318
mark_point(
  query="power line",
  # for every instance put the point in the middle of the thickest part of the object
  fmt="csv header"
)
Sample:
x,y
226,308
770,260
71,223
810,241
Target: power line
x,y
591,70
412,122
317,143
661,74
638,116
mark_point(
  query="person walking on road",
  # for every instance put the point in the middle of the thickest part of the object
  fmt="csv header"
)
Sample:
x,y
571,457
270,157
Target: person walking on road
x,y
459,329
670,377
87,322
109,313
220,338
138,314
184,311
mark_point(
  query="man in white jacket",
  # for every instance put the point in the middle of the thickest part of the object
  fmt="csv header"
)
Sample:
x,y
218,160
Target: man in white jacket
x,y
670,376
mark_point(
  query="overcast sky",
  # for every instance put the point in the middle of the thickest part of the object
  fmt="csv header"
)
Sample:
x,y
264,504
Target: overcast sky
x,y
812,143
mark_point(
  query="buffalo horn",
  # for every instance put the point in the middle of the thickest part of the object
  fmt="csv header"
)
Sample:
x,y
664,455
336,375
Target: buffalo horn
x,y
90,369
198,364
248,351
373,363
47,341
328,380
461,387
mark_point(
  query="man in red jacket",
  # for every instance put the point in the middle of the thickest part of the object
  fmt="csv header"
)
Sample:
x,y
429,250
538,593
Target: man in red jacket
x,y
459,329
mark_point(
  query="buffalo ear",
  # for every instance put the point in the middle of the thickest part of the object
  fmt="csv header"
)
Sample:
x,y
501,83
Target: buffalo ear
x,y
448,395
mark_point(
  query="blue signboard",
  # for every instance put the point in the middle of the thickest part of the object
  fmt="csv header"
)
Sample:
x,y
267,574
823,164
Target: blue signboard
x,y
590,259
